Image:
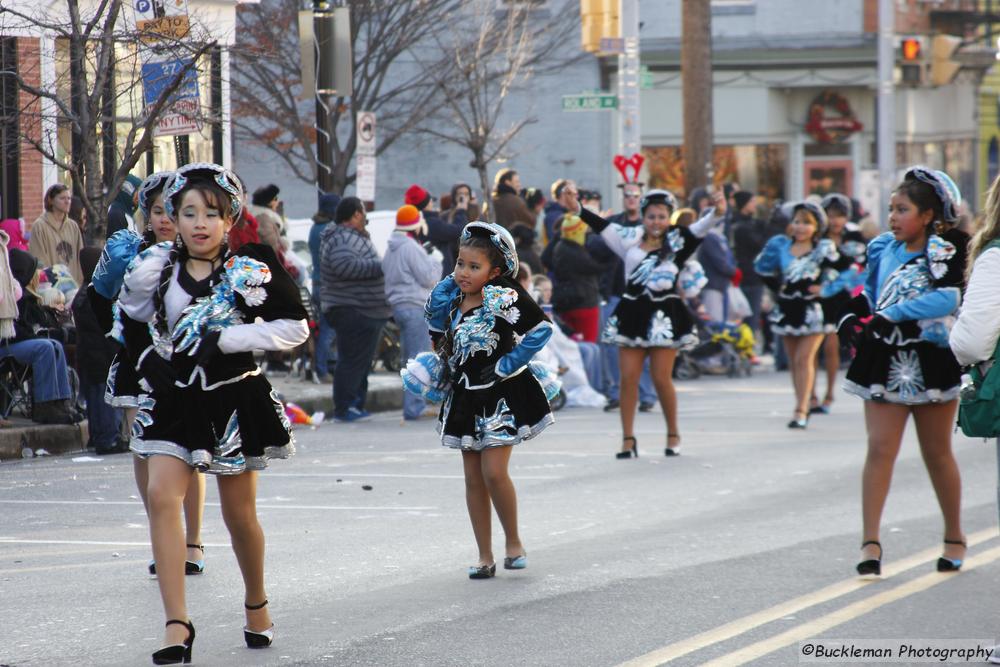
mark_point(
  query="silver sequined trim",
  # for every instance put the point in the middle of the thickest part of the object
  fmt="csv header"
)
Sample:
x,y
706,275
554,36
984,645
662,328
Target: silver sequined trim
x,y
469,443
878,392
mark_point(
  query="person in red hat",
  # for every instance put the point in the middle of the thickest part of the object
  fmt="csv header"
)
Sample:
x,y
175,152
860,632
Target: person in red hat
x,y
441,233
410,271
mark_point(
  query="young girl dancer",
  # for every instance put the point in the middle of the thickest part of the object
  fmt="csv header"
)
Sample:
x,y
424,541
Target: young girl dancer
x,y
190,315
123,382
652,318
903,365
793,267
837,288
493,401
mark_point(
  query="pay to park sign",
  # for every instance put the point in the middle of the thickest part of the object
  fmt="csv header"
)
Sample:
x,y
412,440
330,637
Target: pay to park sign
x,y
157,19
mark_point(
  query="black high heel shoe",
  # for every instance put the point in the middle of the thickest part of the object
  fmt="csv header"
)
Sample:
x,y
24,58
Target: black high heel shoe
x,y
629,453
871,567
190,566
672,451
256,639
176,654
951,564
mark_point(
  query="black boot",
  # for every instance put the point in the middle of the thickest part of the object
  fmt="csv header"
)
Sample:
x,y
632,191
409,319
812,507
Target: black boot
x,y
53,412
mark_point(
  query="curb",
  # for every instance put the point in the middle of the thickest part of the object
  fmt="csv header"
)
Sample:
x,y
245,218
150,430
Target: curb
x,y
380,399
23,441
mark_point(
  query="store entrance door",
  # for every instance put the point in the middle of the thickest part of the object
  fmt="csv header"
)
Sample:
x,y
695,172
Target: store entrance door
x,y
826,175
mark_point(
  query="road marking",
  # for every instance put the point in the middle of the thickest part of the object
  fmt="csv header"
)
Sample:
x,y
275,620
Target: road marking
x,y
353,508
850,612
397,476
93,543
789,608
75,566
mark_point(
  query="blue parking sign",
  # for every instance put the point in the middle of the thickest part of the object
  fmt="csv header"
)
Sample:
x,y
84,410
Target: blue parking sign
x,y
157,75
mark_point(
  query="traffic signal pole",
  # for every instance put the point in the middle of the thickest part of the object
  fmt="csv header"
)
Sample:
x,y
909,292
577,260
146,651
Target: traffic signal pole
x,y
324,99
630,141
696,77
886,114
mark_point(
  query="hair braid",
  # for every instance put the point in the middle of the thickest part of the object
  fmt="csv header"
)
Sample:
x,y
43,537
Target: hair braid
x,y
166,274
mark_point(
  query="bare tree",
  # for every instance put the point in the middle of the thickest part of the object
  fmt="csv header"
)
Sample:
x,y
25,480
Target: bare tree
x,y
504,51
266,82
98,72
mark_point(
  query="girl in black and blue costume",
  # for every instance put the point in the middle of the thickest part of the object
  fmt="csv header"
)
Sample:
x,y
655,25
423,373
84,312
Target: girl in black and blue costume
x,y
837,289
486,329
123,390
191,315
903,364
793,267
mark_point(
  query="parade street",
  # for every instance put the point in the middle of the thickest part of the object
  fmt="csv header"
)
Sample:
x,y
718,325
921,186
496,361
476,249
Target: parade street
x,y
739,551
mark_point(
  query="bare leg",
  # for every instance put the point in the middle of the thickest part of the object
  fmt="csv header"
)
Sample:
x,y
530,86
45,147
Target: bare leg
x,y
885,423
804,370
934,423
831,355
238,496
495,461
477,499
194,506
661,365
168,481
630,360
140,467
791,348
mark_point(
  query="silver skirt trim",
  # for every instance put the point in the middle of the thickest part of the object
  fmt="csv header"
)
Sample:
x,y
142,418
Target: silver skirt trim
x,y
685,342
203,460
804,330
878,393
470,444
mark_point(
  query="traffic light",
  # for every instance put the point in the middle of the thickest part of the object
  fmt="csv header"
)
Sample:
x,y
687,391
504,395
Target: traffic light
x,y
943,68
598,19
911,60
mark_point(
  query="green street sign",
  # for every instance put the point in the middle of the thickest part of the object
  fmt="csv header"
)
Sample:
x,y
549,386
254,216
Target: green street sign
x,y
645,78
590,102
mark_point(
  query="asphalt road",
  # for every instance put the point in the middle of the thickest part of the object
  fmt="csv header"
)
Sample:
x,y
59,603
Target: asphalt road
x,y
740,550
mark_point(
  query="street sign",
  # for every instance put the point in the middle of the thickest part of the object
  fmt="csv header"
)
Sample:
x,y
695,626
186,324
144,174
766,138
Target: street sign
x,y
366,133
645,78
590,102
612,45
158,74
365,180
161,18
183,118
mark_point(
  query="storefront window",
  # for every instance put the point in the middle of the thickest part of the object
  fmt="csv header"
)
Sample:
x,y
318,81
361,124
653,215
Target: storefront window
x,y
759,168
955,158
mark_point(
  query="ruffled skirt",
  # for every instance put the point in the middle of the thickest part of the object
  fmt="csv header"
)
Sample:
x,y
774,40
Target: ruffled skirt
x,y
233,428
833,308
914,373
504,414
798,317
642,322
122,389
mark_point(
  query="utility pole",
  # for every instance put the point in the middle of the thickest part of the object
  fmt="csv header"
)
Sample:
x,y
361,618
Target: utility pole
x,y
630,141
322,18
886,118
696,74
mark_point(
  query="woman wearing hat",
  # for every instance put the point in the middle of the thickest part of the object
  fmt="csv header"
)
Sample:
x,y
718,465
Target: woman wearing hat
x,y
652,319
410,274
904,365
793,266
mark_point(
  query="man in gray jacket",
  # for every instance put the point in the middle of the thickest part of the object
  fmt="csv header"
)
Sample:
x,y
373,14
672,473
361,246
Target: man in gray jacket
x,y
353,301
410,274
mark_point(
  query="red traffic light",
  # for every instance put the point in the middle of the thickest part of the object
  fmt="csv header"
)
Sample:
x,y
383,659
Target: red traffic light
x,y
911,49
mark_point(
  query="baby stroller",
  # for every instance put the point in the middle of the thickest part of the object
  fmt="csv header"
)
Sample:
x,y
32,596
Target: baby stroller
x,y
724,349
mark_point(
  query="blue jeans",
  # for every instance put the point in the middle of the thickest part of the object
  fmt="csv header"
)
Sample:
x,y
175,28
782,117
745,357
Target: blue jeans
x,y
592,362
609,357
413,338
103,421
324,339
754,295
357,340
48,367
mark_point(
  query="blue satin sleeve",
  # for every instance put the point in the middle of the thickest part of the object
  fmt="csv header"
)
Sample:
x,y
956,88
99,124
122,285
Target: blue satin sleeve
x,y
876,248
768,262
846,281
439,304
118,252
530,344
930,305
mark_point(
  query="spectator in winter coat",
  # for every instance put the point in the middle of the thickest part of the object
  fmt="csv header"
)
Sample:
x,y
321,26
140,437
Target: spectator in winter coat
x,y
30,345
264,206
15,232
244,231
95,352
410,274
442,233
524,242
576,295
55,237
508,207
352,293
123,207
324,336
749,236
564,195
720,267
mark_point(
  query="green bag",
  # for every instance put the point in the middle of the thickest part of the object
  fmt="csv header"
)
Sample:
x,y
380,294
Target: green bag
x,y
979,406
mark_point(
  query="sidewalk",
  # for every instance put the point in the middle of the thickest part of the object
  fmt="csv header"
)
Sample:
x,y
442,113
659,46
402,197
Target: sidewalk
x,y
25,438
